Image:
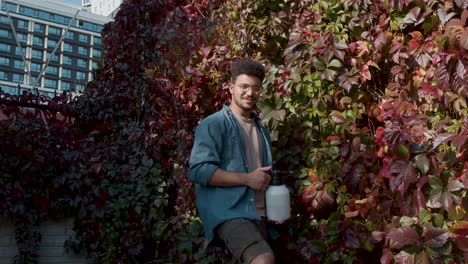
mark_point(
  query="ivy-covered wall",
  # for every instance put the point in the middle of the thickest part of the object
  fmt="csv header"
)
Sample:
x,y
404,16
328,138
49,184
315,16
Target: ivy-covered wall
x,y
366,101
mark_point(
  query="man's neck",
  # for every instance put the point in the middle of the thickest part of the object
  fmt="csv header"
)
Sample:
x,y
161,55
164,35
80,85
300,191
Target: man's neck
x,y
240,112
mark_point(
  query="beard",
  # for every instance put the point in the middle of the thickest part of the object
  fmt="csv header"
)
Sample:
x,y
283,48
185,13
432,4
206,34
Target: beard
x,y
246,107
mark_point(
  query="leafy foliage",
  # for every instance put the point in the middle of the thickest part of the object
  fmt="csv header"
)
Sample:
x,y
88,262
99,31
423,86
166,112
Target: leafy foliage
x,y
366,101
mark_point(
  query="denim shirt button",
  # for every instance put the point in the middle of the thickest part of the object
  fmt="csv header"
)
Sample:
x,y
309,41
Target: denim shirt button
x,y
252,200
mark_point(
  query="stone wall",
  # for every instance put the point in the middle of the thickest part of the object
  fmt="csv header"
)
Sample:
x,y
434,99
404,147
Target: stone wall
x,y
51,251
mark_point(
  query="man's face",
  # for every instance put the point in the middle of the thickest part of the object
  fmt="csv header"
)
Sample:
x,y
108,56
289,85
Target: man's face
x,y
245,92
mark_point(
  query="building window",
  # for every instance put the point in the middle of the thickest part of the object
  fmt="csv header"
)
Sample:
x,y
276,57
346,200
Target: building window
x,y
97,53
11,7
4,61
80,75
5,33
22,37
65,86
67,47
5,47
69,35
52,58
19,64
82,63
95,65
36,54
51,43
39,28
20,51
52,70
17,78
83,38
66,73
54,31
23,24
37,41
4,20
49,83
67,60
3,76
82,50
97,41
35,67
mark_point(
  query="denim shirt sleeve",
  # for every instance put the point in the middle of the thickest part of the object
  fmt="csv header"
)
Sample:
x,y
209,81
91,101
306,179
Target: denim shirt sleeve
x,y
206,152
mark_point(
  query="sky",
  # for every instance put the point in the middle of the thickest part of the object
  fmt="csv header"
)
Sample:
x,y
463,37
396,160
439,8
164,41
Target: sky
x,y
75,2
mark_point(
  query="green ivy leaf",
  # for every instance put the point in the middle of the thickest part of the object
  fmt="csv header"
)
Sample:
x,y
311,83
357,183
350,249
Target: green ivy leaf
x,y
424,216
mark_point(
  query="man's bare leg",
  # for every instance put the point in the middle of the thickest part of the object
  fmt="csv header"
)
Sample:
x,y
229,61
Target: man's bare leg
x,y
267,258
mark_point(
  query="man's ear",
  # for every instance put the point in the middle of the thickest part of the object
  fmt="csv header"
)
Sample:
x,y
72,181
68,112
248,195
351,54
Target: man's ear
x,y
231,87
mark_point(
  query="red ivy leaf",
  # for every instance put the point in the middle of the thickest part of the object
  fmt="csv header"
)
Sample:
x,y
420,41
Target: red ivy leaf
x,y
338,118
443,77
414,44
464,39
403,236
419,201
387,257
406,174
436,237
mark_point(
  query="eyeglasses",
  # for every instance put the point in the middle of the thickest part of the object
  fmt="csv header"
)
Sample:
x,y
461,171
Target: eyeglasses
x,y
254,89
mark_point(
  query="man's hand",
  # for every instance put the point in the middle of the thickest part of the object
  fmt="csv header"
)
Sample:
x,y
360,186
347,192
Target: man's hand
x,y
258,179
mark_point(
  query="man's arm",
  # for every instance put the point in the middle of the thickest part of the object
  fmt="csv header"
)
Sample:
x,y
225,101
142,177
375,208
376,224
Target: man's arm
x,y
257,179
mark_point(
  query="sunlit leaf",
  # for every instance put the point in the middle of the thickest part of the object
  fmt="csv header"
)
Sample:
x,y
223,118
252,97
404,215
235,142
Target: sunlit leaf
x,y
422,258
441,139
455,185
423,164
404,257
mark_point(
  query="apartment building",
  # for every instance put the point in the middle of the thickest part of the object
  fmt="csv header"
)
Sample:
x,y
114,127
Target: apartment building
x,y
48,45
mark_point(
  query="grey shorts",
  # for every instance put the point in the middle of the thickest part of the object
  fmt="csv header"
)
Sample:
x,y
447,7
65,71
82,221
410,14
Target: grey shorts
x,y
244,238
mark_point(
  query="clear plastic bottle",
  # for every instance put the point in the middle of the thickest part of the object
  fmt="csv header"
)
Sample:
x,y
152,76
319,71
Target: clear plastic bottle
x,y
278,208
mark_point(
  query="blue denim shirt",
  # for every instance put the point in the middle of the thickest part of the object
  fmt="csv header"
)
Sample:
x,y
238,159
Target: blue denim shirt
x,y
219,144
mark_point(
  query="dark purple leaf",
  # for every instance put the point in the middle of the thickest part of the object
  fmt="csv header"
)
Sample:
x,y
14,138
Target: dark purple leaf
x,y
403,236
436,237
387,257
351,239
380,41
443,77
446,200
419,201
406,174
459,141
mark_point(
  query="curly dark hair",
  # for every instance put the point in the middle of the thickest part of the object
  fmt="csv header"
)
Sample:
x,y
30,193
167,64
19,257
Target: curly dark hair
x,y
247,66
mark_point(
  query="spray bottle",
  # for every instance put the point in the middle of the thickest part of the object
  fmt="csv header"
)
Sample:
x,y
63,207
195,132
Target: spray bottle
x,y
278,208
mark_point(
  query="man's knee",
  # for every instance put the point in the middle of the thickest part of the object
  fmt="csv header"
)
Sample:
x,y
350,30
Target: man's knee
x,y
267,258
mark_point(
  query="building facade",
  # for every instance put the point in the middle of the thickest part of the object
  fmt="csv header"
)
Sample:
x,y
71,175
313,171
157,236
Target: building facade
x,y
103,7
48,45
